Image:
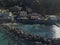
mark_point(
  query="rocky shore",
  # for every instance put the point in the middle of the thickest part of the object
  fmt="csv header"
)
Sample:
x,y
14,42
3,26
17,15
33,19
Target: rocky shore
x,y
33,39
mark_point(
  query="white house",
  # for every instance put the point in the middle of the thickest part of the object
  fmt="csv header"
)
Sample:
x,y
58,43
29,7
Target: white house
x,y
52,17
23,15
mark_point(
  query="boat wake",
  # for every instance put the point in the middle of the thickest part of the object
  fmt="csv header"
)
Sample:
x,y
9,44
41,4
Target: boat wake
x,y
56,31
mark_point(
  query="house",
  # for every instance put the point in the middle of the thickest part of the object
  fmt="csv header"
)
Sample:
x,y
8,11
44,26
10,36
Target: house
x,y
52,17
35,16
4,16
23,15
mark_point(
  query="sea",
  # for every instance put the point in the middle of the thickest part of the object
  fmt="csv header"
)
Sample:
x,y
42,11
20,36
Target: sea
x,y
7,38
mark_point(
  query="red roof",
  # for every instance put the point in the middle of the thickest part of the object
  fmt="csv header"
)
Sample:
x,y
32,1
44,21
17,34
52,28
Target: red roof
x,y
34,14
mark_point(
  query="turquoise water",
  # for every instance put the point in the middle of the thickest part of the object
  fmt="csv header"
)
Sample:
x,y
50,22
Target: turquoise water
x,y
7,38
37,29
4,40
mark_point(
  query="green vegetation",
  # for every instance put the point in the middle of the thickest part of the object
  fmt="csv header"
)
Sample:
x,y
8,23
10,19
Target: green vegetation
x,y
40,6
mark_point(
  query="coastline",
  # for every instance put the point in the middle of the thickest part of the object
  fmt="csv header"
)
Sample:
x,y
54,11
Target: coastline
x,y
28,37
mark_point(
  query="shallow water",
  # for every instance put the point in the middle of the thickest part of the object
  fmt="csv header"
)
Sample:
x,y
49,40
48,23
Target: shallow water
x,y
2,41
4,38
37,29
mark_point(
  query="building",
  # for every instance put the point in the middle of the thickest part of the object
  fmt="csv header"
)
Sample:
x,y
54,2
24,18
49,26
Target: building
x,y
35,16
52,17
5,17
23,15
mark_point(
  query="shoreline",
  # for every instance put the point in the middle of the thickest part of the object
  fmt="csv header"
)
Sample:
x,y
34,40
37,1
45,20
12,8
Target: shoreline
x,y
29,37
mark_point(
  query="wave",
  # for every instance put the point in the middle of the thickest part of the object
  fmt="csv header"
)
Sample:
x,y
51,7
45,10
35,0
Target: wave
x,y
56,31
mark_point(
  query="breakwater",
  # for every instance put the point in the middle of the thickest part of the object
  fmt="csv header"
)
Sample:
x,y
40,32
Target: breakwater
x,y
32,39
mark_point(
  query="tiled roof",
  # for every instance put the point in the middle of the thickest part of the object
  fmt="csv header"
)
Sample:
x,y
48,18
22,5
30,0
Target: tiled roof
x,y
34,14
